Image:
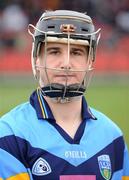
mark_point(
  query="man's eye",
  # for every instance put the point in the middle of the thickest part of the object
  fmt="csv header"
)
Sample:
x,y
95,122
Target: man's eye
x,y
76,53
54,52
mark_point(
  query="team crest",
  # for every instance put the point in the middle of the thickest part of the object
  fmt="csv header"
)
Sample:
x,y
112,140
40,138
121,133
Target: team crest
x,y
105,166
41,167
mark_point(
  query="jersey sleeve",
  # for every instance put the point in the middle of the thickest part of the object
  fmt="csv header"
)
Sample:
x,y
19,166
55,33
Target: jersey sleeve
x,y
11,165
123,173
11,168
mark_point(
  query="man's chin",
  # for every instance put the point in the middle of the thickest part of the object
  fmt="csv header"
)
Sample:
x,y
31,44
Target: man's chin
x,y
66,83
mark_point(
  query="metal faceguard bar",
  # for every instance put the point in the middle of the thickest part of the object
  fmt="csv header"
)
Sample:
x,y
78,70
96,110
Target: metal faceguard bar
x,y
82,39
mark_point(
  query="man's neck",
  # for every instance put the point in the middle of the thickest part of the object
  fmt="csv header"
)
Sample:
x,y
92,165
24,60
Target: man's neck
x,y
67,115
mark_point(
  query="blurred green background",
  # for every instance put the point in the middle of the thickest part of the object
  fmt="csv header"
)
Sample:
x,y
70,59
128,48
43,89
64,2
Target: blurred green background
x,y
109,93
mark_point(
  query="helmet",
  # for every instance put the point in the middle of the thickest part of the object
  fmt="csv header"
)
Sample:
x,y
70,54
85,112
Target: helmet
x,y
69,27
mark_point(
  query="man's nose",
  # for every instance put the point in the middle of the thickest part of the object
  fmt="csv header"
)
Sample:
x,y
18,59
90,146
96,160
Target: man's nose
x,y
66,62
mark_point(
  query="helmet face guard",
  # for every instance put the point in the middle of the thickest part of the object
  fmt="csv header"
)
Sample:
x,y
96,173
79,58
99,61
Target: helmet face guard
x,y
70,28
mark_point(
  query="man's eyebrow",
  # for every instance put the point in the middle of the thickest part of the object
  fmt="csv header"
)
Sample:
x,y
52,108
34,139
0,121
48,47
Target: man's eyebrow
x,y
56,48
78,49
52,48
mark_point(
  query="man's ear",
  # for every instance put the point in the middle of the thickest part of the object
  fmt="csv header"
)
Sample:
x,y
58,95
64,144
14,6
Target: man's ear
x,y
37,68
37,64
90,64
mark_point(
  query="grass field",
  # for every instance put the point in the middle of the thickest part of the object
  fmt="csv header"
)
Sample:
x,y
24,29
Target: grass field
x,y
109,94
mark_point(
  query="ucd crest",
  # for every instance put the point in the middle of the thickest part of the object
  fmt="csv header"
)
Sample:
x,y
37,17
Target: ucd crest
x,y
105,166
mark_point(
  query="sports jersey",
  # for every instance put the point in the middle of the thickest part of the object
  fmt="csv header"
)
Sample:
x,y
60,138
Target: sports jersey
x,y
34,147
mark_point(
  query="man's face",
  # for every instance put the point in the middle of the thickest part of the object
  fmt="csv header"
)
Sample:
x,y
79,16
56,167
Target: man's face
x,y
59,64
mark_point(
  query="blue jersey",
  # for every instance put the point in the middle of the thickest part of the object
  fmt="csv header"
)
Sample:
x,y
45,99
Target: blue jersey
x,y
33,146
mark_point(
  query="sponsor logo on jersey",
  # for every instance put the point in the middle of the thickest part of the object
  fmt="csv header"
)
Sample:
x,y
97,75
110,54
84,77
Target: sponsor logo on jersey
x,y
105,166
76,154
78,177
41,167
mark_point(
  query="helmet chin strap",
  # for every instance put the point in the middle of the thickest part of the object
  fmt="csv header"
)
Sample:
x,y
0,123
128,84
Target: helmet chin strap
x,y
61,93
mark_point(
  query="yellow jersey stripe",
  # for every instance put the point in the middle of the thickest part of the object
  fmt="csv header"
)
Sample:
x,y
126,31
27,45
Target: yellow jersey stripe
x,y
125,178
41,106
22,176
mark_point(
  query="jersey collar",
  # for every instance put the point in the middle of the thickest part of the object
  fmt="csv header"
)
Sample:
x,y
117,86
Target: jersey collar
x,y
43,110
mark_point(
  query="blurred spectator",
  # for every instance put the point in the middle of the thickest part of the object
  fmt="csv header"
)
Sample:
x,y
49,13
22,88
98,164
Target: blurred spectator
x,y
50,4
122,21
13,21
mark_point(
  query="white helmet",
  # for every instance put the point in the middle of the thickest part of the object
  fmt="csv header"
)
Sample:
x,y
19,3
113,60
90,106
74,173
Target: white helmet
x,y
69,27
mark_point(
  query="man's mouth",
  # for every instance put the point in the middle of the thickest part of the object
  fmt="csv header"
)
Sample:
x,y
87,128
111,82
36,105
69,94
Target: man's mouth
x,y
65,75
